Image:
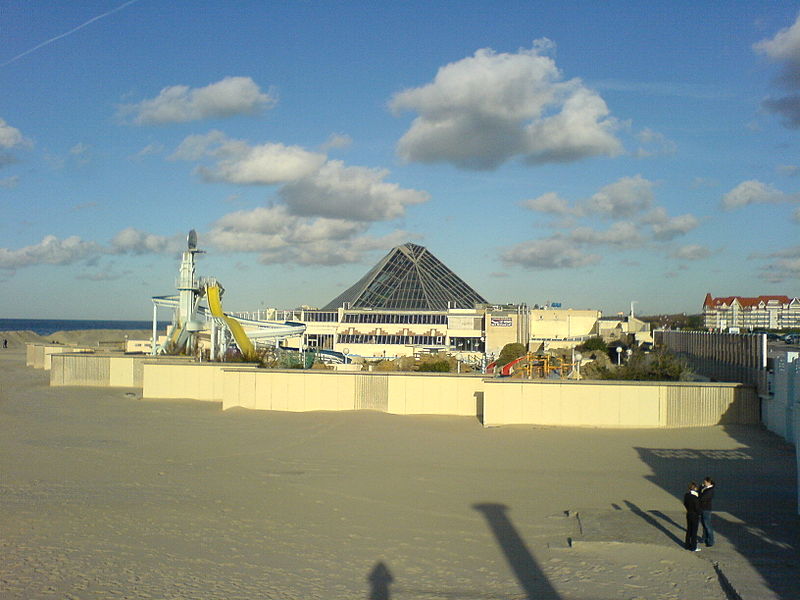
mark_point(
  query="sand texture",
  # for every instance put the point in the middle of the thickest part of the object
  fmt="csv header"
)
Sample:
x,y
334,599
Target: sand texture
x,y
105,495
92,338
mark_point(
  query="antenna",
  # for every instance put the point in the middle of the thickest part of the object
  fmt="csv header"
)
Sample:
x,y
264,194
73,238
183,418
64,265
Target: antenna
x,y
191,240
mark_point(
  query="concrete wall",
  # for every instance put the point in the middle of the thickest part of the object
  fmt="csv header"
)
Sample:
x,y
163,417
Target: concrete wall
x,y
38,355
499,402
779,408
567,323
97,370
617,404
396,393
721,356
170,378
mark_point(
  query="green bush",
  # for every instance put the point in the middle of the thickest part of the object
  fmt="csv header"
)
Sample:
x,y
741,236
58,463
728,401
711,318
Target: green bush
x,y
511,352
660,365
435,366
594,343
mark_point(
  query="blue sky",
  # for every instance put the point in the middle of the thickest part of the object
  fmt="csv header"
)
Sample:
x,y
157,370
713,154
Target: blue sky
x,y
591,154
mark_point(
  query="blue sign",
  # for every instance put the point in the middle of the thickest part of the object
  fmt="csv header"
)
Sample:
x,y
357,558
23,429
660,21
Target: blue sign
x,y
555,304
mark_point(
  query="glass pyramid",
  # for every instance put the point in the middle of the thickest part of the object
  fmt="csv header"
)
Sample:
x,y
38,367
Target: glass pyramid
x,y
409,278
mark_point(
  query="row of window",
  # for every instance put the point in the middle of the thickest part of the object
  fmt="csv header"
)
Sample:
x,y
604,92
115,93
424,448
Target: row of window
x,y
467,344
412,319
320,316
407,340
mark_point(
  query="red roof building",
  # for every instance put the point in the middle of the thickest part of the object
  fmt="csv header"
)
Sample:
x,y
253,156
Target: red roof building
x,y
761,312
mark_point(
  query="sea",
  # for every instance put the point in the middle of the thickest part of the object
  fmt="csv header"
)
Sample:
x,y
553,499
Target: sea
x,y
49,326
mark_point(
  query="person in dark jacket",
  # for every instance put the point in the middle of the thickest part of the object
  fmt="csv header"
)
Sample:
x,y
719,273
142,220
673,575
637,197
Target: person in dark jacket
x,y
691,500
706,498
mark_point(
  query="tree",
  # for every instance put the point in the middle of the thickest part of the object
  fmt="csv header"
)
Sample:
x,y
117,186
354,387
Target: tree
x,y
511,352
594,343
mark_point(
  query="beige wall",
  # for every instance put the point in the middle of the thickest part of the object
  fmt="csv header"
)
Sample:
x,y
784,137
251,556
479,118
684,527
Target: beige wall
x,y
617,404
500,402
503,327
39,356
567,323
166,378
98,370
396,393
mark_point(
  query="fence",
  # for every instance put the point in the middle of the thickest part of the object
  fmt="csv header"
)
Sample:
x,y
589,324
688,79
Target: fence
x,y
731,357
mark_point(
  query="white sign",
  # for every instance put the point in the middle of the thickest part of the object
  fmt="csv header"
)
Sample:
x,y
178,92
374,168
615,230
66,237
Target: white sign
x,y
501,322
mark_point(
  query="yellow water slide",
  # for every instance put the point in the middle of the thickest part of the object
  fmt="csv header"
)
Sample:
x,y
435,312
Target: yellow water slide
x,y
215,304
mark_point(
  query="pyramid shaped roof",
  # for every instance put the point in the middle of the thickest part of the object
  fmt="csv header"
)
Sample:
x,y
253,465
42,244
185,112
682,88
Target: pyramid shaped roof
x,y
409,278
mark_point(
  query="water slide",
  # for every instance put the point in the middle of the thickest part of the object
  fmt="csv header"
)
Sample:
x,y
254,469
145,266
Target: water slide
x,y
506,369
246,346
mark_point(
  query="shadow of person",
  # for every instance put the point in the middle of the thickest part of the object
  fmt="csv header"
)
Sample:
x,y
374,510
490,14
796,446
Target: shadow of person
x,y
666,518
379,580
526,570
652,521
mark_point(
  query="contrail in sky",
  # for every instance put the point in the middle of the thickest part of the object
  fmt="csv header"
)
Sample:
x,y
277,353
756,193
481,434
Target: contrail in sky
x,y
70,32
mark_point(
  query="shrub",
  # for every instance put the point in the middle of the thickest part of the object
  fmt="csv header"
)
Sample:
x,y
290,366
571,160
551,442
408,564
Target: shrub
x,y
435,366
510,352
594,343
660,365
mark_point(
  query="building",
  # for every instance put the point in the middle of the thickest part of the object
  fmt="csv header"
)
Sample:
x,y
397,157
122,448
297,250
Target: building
x,y
760,313
411,303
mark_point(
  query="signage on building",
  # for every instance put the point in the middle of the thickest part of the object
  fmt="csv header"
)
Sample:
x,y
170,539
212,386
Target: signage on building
x,y
501,322
555,304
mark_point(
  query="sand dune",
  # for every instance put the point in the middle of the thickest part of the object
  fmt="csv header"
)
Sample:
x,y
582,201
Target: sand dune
x,y
91,338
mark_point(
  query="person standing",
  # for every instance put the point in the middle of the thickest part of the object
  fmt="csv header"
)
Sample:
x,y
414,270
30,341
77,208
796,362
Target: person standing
x,y
706,498
691,500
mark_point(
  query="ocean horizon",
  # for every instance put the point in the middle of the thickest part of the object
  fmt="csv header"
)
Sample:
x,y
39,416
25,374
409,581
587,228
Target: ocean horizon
x,y
50,326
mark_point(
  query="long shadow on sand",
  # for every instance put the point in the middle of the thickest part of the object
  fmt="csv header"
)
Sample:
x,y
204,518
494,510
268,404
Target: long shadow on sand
x,y
755,505
527,571
652,521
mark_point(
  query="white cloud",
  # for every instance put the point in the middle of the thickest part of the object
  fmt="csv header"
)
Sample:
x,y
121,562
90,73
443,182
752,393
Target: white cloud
x,y
753,192
654,143
580,130
622,235
337,140
784,48
666,228
623,198
240,163
134,241
784,45
691,252
9,182
548,253
50,250
487,108
785,265
357,193
264,164
79,149
149,150
549,203
180,103
281,237
10,137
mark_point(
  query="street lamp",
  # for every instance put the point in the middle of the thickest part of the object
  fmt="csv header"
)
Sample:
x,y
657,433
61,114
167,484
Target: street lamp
x,y
619,355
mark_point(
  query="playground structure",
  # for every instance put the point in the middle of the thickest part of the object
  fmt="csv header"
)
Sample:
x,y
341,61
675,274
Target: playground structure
x,y
534,366
197,308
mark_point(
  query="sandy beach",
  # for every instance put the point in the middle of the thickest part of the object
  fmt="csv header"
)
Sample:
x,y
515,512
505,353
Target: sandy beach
x,y
106,495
